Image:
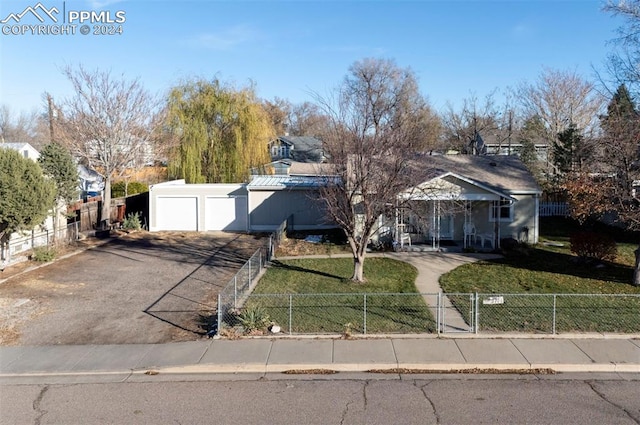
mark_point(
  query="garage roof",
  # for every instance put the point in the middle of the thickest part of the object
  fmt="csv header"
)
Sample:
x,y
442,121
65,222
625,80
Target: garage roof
x,y
278,182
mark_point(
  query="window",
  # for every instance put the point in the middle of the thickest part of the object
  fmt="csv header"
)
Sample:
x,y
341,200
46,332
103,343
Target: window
x,y
502,209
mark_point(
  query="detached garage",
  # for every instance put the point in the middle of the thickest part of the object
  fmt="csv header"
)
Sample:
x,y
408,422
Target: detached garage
x,y
178,206
259,206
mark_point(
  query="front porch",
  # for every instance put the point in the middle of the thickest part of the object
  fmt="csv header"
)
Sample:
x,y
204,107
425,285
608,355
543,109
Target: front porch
x,y
447,225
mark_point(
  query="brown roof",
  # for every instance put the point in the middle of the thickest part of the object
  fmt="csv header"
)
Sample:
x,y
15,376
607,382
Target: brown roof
x,y
309,168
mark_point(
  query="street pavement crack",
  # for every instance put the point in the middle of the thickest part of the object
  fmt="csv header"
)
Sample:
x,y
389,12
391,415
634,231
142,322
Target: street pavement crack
x,y
346,410
36,405
431,403
600,394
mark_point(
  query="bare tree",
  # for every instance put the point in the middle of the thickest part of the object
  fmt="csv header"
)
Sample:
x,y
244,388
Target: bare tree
x,y
308,119
23,128
374,132
107,124
279,111
560,99
623,63
475,117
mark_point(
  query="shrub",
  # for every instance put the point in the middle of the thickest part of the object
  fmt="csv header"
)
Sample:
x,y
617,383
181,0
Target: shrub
x,y
43,254
132,222
118,189
254,318
593,246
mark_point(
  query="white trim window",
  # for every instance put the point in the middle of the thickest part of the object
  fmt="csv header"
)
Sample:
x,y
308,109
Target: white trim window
x,y
503,209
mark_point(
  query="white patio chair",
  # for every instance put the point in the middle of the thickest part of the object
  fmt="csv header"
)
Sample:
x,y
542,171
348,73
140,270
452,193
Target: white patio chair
x,y
469,234
487,237
405,238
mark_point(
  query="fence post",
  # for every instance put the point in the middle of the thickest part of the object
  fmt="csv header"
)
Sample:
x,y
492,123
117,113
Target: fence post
x,y
553,326
438,312
290,312
235,291
476,315
219,314
364,325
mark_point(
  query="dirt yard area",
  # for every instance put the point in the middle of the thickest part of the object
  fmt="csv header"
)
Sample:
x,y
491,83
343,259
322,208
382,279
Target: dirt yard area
x,y
133,289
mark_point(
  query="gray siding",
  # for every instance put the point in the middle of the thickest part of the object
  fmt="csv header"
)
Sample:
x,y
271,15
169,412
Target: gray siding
x,y
267,209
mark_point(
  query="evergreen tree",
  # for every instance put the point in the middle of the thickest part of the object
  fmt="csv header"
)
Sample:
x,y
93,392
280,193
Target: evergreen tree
x,y
570,150
620,137
26,196
58,165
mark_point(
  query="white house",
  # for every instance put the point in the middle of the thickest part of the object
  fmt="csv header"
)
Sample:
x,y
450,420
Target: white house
x,y
25,149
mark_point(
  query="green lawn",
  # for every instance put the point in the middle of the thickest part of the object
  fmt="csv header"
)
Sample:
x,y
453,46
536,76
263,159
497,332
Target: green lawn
x,y
544,269
334,303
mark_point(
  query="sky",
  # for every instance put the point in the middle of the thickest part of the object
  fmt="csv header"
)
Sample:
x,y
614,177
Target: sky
x,y
292,49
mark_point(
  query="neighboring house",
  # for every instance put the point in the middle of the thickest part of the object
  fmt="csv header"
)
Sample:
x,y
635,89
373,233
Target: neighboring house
x,y
25,149
297,148
477,200
90,182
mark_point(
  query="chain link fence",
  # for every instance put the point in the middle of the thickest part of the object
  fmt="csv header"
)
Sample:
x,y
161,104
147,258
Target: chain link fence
x,y
22,242
406,313
235,293
558,313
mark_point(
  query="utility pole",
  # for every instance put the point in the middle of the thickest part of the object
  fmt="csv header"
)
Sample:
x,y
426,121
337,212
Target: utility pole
x,y
50,110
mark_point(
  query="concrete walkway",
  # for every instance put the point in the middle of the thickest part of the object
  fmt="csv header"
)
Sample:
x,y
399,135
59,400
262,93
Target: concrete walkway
x,y
430,267
117,363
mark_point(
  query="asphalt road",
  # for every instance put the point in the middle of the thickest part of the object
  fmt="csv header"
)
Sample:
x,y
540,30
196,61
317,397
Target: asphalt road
x,y
451,400
138,289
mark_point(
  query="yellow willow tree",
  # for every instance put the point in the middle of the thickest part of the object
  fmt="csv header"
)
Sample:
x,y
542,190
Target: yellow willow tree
x,y
222,132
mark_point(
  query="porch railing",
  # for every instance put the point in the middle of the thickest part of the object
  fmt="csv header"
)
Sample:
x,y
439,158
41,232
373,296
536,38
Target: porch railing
x,y
551,209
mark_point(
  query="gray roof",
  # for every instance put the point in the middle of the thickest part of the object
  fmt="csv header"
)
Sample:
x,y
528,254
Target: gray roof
x,y
277,182
500,172
305,148
303,143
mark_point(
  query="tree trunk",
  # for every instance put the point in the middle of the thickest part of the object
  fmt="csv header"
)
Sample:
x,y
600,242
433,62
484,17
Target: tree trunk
x,y
106,204
636,269
358,268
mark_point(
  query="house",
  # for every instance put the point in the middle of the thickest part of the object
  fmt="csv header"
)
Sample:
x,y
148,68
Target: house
x,y
297,148
90,182
478,200
25,149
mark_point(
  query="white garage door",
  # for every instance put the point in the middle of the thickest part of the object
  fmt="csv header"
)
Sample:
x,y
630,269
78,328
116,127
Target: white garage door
x,y
227,213
177,213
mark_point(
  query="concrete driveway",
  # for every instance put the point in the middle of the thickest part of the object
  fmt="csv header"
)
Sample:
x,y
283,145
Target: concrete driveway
x,y
140,288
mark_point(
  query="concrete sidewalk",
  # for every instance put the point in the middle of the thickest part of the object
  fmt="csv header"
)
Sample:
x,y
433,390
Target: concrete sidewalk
x,y
267,355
